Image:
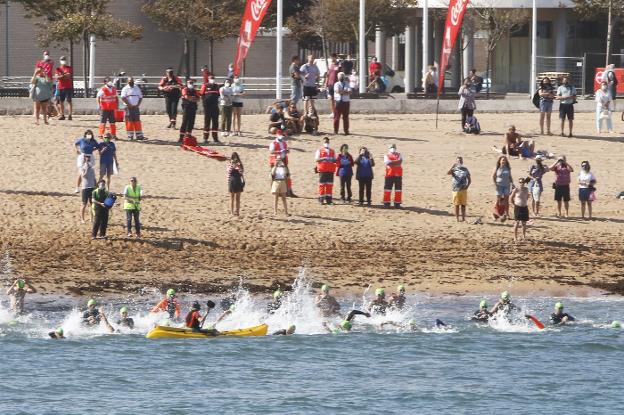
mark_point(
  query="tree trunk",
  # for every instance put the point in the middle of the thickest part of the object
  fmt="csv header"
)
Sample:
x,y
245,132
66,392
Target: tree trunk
x,y
85,65
609,30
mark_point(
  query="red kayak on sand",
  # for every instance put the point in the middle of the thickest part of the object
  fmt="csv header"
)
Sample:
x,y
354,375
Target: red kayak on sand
x,y
205,151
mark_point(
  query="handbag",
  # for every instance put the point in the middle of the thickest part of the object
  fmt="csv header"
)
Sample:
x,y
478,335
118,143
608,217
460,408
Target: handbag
x,y
31,91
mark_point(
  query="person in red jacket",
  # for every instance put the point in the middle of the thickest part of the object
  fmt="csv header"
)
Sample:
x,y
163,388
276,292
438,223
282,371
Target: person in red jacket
x,y
108,102
279,149
65,84
394,177
190,97
374,69
326,167
168,304
46,64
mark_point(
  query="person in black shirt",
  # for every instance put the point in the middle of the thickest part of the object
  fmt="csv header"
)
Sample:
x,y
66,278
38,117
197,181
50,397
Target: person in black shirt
x,y
100,211
171,87
210,99
285,332
91,316
482,315
124,320
190,96
559,317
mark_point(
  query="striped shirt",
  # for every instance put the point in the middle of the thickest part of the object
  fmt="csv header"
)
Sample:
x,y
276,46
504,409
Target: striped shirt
x,y
233,166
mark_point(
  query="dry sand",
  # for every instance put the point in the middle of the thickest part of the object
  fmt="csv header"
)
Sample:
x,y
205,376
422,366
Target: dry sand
x,y
191,241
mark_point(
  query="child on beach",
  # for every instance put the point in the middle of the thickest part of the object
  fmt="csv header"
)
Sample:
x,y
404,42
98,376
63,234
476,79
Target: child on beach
x,y
520,198
279,187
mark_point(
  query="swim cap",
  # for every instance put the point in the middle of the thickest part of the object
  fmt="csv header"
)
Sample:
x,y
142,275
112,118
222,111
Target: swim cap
x,y
380,291
59,331
505,295
401,288
412,322
483,304
196,306
170,292
232,308
325,288
123,310
91,302
21,283
558,306
616,324
278,293
291,329
346,325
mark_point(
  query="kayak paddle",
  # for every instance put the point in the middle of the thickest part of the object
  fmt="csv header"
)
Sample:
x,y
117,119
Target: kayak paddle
x,y
535,321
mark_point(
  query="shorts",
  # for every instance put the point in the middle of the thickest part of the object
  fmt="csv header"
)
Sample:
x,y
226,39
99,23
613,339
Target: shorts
x,y
562,192
86,194
566,110
330,91
237,105
310,91
546,106
460,198
106,169
107,115
279,187
536,191
66,94
584,193
521,213
503,190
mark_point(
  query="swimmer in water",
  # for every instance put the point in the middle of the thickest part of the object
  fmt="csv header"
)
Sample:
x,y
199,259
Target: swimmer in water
x,y
409,326
57,334
482,315
169,304
397,300
559,317
379,304
17,292
326,302
124,320
91,316
345,325
285,332
273,306
504,305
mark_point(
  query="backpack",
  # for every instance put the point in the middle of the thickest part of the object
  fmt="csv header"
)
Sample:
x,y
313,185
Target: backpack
x,y
536,100
472,125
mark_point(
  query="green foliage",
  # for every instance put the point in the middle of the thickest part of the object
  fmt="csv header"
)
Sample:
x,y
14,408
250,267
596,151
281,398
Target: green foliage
x,y
592,9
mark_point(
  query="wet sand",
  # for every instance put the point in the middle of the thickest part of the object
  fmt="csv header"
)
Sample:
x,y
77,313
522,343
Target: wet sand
x,y
193,243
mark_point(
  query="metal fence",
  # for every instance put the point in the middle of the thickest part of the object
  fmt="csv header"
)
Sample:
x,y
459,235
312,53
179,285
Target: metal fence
x,y
555,67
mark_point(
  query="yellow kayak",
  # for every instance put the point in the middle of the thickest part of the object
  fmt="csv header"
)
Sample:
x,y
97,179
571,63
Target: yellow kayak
x,y
163,332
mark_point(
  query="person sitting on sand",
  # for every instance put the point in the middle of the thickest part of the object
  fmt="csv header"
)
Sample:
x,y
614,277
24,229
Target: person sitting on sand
x,y
91,316
277,120
482,315
17,292
286,332
294,119
274,305
124,320
520,198
504,305
559,317
326,303
311,119
397,300
57,334
345,325
169,304
515,146
379,304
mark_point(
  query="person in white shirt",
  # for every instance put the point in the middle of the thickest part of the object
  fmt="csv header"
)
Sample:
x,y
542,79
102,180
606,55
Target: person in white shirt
x,y
586,182
132,96
226,93
342,97
603,110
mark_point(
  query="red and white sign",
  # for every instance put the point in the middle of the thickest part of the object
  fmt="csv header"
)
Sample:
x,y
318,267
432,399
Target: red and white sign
x,y
619,75
254,13
454,17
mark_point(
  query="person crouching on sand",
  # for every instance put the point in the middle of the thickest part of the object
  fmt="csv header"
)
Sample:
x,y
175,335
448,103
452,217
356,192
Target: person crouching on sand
x,y
520,198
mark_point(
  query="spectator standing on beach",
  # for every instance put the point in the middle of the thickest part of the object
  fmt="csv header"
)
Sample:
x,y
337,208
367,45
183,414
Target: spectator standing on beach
x,y
225,93
108,102
536,186
345,173
46,64
393,161
475,80
346,65
603,108
132,205
132,96
331,77
364,175
461,183
190,96
88,183
64,75
100,211
41,92
374,69
612,84
310,74
342,94
87,144
326,167
238,92
520,198
467,103
586,182
295,79
566,94
171,86
236,182
210,100
503,182
546,93
562,184
429,81
108,159
280,176
278,150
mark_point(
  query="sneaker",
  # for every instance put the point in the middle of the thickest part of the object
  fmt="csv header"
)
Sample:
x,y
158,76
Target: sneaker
x,y
129,235
61,118
69,118
386,205
397,206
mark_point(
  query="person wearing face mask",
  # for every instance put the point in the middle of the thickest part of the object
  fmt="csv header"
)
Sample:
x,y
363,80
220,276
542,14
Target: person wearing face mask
x,y
41,92
171,86
238,90
586,182
190,96
132,96
65,85
394,177
87,144
342,94
364,174
46,64
88,183
108,103
345,172
278,149
547,94
210,100
326,167
100,211
603,108
225,93
566,94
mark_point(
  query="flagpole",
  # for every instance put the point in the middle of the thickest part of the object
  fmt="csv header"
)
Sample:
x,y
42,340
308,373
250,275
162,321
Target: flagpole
x,y
533,50
278,59
362,48
425,37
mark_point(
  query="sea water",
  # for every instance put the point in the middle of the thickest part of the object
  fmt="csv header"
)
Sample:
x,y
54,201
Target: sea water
x,y
463,368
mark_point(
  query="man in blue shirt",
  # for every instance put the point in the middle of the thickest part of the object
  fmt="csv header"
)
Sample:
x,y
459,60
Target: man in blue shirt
x,y
108,157
87,144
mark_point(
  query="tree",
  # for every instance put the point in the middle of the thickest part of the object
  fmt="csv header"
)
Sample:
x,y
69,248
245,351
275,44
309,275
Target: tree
x,y
197,19
592,9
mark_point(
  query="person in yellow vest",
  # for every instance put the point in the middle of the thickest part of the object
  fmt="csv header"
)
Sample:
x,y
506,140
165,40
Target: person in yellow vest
x,y
394,177
132,206
326,168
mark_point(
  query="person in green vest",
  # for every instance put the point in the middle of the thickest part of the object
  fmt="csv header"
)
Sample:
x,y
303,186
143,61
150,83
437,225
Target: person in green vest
x,y
100,211
132,206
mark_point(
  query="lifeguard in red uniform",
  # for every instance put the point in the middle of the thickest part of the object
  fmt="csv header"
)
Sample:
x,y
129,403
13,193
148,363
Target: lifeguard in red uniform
x,y
326,168
394,177
108,102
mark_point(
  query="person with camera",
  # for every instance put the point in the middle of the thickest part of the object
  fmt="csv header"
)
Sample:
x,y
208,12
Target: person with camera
x,y
562,172
100,211
461,183
586,182
566,94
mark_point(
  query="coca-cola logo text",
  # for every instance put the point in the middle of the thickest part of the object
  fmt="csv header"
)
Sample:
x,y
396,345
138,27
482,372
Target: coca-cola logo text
x,y
258,7
457,10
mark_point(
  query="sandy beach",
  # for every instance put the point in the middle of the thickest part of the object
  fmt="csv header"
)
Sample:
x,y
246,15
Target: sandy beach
x,y
192,242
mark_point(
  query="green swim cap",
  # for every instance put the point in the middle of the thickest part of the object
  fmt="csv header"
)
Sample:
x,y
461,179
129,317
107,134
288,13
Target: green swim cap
x,y
412,322
616,324
91,302
170,292
559,306
380,291
325,288
401,288
278,293
21,283
232,308
346,325
123,310
483,304
505,295
59,331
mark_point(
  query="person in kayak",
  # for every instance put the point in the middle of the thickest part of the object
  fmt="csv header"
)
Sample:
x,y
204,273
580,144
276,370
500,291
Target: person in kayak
x,y
504,305
17,292
195,321
285,332
345,325
124,320
379,304
559,317
397,300
482,315
326,302
169,304
57,334
91,316
273,306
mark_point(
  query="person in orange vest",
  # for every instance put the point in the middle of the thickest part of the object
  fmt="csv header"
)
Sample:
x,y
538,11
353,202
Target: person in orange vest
x,y
394,177
168,304
326,168
279,147
108,102
190,97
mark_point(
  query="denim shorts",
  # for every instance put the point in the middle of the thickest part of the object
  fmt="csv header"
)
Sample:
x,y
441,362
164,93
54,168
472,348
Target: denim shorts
x,y
502,190
546,106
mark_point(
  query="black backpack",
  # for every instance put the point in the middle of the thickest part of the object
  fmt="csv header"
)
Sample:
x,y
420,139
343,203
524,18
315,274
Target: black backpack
x,y
536,100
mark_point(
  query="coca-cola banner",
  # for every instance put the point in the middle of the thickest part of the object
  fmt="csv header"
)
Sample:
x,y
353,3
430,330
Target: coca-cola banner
x,y
254,13
454,18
